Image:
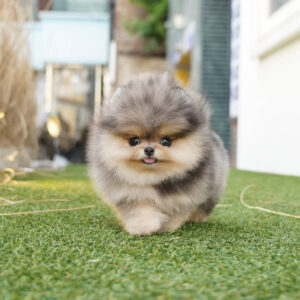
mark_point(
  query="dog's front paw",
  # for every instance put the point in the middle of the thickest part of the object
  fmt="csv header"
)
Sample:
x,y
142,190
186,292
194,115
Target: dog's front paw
x,y
197,216
142,226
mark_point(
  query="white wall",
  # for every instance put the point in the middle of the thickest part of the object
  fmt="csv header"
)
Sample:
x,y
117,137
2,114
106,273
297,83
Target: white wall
x,y
269,103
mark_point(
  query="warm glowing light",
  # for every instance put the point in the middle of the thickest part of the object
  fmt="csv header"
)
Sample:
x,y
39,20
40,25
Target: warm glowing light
x,y
2,115
54,126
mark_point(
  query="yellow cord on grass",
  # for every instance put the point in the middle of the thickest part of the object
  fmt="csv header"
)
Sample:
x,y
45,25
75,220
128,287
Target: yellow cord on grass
x,y
45,211
10,202
261,208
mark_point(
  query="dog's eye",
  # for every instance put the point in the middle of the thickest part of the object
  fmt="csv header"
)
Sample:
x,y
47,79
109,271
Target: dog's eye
x,y
134,141
165,141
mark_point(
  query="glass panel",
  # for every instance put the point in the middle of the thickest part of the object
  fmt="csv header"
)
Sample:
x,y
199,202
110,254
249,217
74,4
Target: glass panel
x,y
276,4
81,5
74,103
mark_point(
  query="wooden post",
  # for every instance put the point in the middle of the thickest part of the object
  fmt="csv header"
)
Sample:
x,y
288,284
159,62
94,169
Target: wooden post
x,y
49,88
98,90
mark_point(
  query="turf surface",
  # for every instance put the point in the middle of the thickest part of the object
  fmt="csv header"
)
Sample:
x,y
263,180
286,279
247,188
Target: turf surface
x,y
238,253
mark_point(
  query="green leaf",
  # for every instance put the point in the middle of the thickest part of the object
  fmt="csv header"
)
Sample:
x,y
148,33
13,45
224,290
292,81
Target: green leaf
x,y
152,28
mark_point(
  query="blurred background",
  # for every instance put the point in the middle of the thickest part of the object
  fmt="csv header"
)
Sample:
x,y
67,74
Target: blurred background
x,y
61,59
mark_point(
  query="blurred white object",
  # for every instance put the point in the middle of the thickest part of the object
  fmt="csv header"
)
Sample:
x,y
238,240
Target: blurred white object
x,y
58,162
27,170
178,21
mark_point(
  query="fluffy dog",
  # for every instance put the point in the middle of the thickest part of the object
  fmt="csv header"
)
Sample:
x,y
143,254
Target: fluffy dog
x,y
154,158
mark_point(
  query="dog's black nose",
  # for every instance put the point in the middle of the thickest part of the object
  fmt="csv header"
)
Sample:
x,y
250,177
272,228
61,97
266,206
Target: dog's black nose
x,y
149,151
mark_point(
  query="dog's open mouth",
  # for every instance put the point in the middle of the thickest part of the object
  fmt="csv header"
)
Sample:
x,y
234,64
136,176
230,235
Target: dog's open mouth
x,y
149,160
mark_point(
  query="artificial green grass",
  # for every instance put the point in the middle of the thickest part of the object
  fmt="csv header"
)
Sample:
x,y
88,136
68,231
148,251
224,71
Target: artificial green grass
x,y
238,253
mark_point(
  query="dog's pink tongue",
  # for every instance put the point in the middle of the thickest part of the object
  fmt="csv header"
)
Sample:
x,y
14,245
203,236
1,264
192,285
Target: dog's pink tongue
x,y
149,160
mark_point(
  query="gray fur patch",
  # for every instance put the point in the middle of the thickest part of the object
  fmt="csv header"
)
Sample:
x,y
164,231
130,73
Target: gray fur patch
x,y
175,185
153,101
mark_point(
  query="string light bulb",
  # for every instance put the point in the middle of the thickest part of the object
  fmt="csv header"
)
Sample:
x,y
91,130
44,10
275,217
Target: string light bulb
x,y
54,126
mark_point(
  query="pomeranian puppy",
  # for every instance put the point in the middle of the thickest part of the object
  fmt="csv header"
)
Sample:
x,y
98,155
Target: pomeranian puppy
x,y
154,158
